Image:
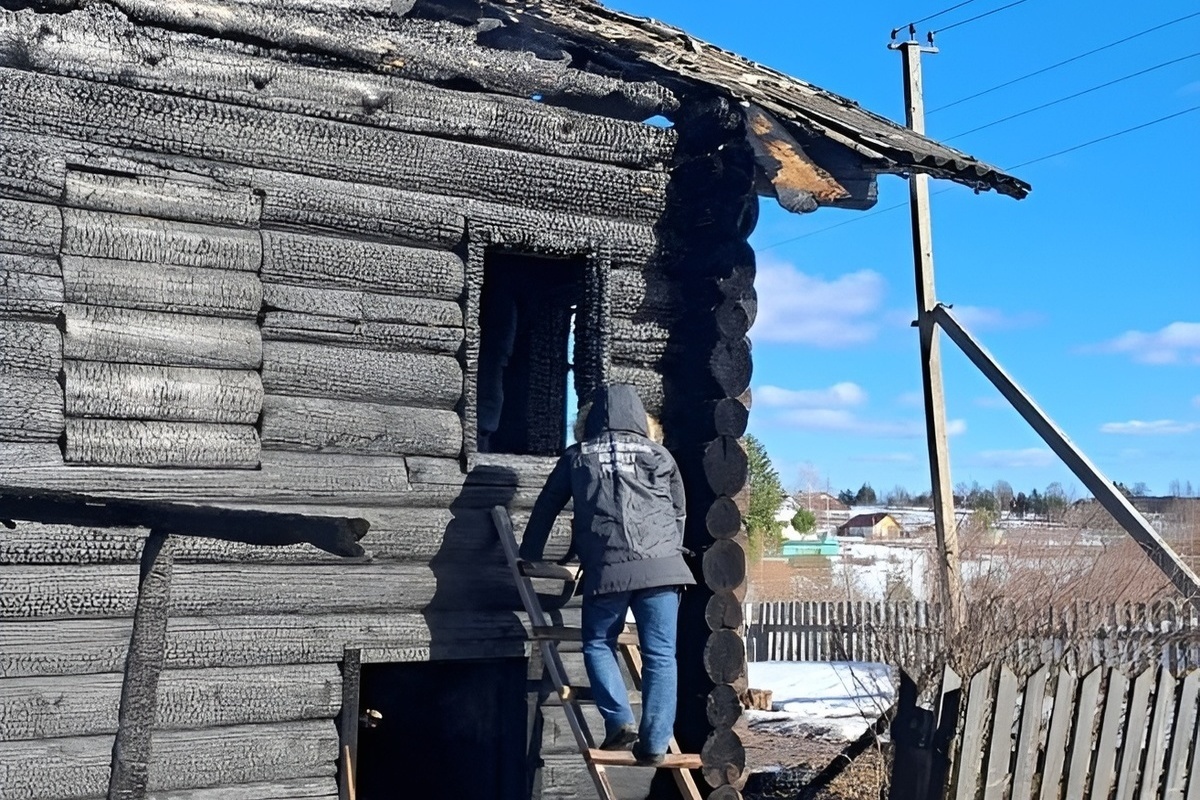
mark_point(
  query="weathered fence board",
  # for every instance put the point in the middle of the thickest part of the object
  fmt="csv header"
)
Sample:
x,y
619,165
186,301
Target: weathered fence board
x,y
1142,748
1081,636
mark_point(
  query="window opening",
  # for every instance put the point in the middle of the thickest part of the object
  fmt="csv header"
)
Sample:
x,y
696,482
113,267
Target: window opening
x,y
528,312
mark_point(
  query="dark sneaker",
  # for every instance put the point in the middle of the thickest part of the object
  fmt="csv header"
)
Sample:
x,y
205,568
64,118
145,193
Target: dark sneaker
x,y
648,759
620,739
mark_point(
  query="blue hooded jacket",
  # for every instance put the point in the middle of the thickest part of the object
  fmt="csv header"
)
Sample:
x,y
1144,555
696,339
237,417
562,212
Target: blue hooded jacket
x,y
629,502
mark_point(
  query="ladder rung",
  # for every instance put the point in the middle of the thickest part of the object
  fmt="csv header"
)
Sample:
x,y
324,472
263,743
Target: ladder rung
x,y
624,758
548,569
560,633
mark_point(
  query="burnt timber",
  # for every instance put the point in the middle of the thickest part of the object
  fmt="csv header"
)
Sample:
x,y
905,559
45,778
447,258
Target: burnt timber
x,y
243,255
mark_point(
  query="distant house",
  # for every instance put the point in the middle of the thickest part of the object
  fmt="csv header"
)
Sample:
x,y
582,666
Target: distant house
x,y
879,525
823,504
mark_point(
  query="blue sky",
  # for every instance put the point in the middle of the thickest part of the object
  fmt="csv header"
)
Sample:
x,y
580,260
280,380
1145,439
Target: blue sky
x,y
1086,291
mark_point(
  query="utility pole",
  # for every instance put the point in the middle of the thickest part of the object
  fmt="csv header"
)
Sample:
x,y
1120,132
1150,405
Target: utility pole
x,y
949,568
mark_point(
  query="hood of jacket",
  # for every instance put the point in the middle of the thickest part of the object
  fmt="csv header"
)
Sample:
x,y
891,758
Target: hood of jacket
x,y
616,408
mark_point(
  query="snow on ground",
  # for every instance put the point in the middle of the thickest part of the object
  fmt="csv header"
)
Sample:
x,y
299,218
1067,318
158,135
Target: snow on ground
x,y
835,701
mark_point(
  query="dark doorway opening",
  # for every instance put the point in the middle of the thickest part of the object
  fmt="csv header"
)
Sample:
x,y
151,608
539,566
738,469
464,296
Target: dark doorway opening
x,y
446,729
528,312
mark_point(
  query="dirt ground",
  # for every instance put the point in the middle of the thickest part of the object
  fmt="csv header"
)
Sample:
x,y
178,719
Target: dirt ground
x,y
783,765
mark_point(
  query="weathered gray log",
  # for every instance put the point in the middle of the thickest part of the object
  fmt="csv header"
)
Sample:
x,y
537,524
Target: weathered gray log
x,y
102,234
30,407
399,534
162,198
342,373
485,469
26,293
354,305
78,767
292,326
299,789
725,566
292,423
25,264
438,53
198,128
31,228
724,518
44,708
724,758
731,366
343,208
329,262
725,465
84,646
101,47
283,477
139,686
336,534
143,392
161,287
154,443
725,658
29,346
98,333
724,611
229,589
723,706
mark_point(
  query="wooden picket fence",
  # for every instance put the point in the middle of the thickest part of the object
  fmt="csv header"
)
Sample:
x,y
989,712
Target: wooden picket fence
x,y
1081,635
1050,735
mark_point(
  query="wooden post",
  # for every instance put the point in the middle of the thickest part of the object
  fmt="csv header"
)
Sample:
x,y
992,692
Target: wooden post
x,y
139,690
1104,490
949,571
348,721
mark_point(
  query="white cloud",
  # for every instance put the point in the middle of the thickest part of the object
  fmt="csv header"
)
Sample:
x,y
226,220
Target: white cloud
x,y
1158,427
1177,342
1014,459
981,318
910,399
840,420
798,308
838,395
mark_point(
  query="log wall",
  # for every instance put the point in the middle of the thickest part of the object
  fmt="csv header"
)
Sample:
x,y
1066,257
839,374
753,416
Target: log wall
x,y
244,279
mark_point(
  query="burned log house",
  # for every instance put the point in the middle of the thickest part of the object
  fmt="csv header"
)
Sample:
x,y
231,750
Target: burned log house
x,y
285,257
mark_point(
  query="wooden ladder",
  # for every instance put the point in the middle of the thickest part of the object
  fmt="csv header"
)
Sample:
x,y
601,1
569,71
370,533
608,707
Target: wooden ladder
x,y
548,636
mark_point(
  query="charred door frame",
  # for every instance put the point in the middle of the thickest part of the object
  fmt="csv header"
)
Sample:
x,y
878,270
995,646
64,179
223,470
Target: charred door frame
x,y
592,366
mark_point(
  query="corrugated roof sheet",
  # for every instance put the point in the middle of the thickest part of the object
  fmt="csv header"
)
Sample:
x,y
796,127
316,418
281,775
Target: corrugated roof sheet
x,y
888,145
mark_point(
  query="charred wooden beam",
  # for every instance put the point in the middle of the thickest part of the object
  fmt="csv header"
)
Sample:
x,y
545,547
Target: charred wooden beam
x,y
146,392
155,443
79,767
139,689
82,646
335,535
180,290
100,333
188,699
282,477
121,117
105,47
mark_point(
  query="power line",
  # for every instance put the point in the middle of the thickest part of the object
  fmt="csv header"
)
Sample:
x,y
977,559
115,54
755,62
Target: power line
x,y
1089,90
1013,167
1062,63
1105,138
978,16
899,28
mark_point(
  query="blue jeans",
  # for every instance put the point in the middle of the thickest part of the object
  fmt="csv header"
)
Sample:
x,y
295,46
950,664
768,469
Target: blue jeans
x,y
656,612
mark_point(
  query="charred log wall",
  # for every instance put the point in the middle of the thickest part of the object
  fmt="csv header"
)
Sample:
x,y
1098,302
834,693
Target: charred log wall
x,y
236,267
705,370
